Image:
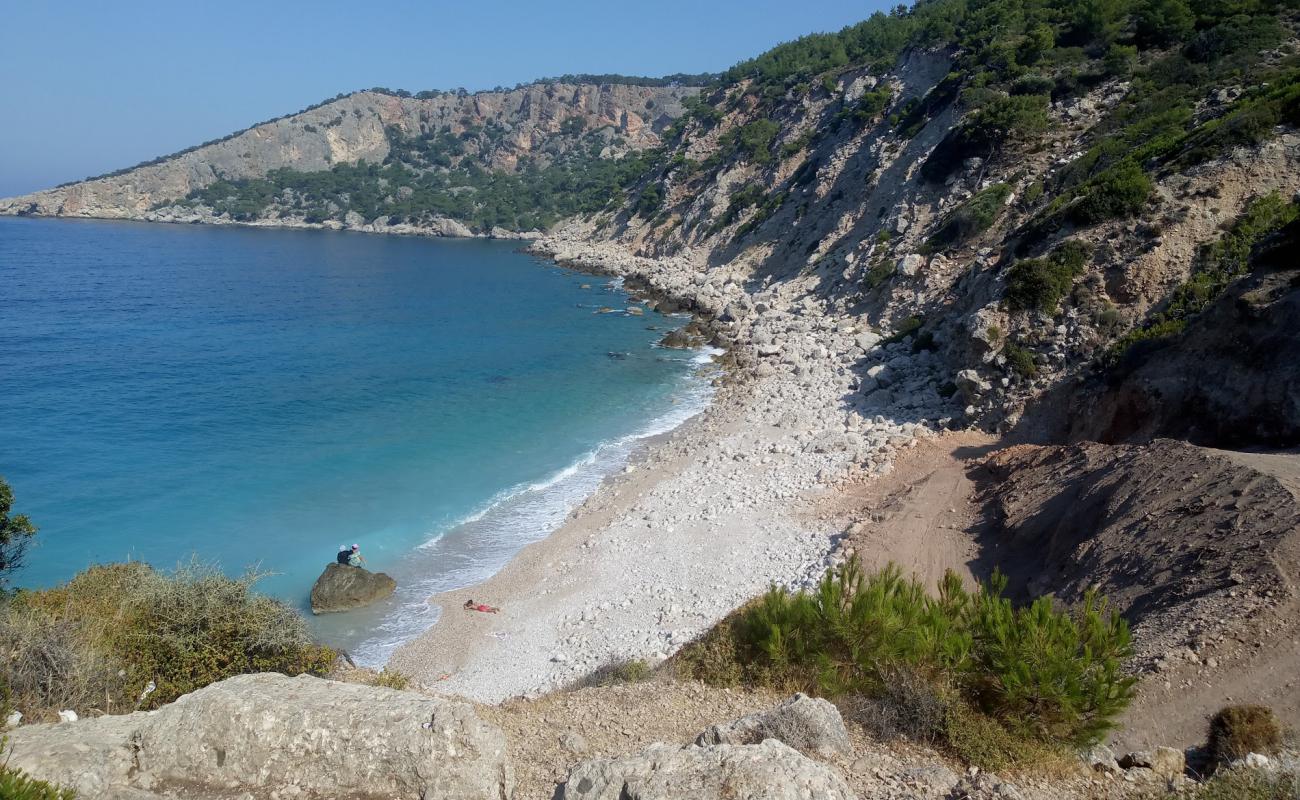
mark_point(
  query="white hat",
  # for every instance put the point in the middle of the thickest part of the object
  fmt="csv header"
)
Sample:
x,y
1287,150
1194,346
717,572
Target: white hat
x,y
343,548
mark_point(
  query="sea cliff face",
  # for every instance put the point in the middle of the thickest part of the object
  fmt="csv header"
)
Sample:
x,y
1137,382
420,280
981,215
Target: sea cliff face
x,y
539,121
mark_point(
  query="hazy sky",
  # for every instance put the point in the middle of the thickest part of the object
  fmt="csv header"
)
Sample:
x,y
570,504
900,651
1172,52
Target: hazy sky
x,y
88,87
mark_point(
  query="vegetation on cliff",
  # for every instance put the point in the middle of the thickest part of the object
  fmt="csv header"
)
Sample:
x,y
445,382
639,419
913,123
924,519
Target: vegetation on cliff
x,y
419,182
983,675
122,637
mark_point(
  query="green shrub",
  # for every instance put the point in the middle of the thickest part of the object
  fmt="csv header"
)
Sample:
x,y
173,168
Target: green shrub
x,y
1119,191
391,679
906,328
1237,731
616,673
1040,283
99,640
16,531
650,200
1020,360
1217,265
752,140
971,218
1038,671
15,785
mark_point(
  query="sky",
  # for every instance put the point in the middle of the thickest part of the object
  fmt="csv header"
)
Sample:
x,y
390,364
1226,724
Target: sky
x,y
89,87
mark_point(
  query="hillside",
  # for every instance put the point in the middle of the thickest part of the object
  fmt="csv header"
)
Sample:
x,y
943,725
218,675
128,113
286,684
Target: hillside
x,y
416,162
1008,294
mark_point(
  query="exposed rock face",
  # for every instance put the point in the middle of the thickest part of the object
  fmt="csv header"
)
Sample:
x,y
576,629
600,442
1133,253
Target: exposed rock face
x,y
262,732
343,588
1231,379
767,771
356,127
808,724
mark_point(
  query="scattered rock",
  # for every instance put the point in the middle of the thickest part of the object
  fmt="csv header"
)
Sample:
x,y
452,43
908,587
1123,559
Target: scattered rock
x,y
771,771
343,588
910,264
811,725
1163,761
1100,758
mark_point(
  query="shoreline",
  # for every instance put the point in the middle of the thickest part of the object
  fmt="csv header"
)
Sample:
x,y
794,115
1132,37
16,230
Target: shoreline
x,y
723,507
426,232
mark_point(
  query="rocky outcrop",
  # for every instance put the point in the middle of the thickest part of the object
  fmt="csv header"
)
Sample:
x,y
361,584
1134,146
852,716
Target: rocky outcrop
x,y
770,771
342,588
808,724
256,733
1231,379
346,130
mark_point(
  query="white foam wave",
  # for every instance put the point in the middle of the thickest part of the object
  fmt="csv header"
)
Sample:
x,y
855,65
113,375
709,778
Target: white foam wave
x,y
477,546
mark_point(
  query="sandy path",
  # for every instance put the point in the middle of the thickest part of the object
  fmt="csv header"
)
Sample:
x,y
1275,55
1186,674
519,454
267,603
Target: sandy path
x,y
922,516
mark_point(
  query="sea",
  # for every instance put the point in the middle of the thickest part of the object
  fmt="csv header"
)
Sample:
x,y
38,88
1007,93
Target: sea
x,y
255,399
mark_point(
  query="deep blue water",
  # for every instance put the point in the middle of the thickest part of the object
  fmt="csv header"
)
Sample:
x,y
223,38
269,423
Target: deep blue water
x,y
263,397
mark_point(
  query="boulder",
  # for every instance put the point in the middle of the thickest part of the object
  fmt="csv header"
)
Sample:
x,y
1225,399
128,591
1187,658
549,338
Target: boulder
x,y
811,725
1100,758
1163,761
342,588
910,264
971,385
767,771
268,732
681,339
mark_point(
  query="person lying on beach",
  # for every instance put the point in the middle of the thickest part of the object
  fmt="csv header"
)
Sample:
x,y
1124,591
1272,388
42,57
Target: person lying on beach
x,y
470,605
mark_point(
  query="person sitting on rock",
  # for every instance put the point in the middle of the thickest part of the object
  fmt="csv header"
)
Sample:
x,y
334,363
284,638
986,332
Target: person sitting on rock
x,y
344,554
470,605
355,559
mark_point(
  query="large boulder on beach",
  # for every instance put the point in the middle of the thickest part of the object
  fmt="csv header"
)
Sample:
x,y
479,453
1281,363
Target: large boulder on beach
x,y
808,724
267,734
770,771
342,588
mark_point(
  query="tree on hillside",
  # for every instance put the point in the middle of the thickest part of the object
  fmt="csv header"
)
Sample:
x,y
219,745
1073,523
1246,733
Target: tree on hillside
x,y
15,533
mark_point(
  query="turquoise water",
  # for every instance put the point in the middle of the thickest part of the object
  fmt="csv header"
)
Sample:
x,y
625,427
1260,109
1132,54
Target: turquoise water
x,y
261,397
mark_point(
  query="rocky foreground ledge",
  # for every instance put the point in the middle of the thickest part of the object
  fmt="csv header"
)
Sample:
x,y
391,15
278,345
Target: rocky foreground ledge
x,y
270,737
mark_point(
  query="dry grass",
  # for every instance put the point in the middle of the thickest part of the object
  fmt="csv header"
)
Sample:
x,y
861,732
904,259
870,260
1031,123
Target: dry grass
x,y
1237,731
121,637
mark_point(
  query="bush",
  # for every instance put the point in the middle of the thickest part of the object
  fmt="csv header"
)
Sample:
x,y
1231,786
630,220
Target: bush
x,y
100,641
15,533
1237,731
391,679
971,218
617,672
1217,265
650,200
1119,191
1037,671
15,785
1040,283
1020,360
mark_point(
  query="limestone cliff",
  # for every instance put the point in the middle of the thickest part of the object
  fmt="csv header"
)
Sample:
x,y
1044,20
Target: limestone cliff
x,y
537,120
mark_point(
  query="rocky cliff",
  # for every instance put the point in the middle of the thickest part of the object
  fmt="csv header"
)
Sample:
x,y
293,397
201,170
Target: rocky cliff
x,y
498,130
